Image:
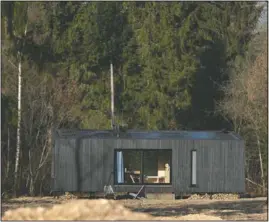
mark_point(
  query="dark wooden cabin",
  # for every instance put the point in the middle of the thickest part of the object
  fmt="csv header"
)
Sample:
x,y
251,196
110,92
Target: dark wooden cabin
x,y
164,161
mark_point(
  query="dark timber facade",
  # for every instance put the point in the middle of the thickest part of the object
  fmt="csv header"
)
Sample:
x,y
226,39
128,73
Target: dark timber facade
x,y
164,161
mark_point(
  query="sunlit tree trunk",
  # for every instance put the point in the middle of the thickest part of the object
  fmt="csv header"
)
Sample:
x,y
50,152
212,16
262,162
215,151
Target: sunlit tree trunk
x,y
261,164
18,146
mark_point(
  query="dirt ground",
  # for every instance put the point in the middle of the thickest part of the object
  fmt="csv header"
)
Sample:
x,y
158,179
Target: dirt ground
x,y
241,209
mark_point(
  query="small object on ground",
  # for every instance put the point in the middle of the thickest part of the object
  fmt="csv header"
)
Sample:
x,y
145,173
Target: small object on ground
x,y
139,194
109,192
69,195
124,197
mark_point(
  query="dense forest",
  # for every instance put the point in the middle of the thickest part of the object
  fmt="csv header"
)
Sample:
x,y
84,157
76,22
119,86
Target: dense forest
x,y
177,65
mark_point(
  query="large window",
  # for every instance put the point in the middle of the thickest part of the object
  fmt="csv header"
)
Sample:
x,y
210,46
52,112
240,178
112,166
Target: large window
x,y
143,166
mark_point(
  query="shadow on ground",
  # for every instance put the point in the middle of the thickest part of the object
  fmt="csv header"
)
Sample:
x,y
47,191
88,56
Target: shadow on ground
x,y
224,209
32,201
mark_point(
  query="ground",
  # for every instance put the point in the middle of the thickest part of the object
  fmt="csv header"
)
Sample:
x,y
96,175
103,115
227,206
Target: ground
x,y
241,209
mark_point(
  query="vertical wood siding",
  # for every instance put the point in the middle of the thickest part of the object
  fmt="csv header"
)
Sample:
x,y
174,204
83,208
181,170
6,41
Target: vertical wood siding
x,y
65,170
88,164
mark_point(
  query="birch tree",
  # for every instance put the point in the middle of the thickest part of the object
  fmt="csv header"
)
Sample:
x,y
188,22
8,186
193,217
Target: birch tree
x,y
246,102
16,26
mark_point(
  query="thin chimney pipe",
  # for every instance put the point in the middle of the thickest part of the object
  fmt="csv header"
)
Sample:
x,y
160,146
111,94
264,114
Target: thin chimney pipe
x,y
112,96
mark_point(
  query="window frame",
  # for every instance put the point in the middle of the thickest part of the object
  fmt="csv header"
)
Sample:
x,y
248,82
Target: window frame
x,y
141,167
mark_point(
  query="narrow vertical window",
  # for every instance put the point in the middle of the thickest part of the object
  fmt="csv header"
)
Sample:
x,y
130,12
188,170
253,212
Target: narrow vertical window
x,y
120,170
193,168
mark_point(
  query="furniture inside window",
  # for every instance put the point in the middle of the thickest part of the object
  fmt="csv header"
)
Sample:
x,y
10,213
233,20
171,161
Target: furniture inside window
x,y
143,166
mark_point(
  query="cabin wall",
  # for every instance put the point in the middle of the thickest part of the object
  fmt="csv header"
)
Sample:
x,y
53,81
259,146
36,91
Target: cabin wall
x,y
220,167
220,164
64,173
96,164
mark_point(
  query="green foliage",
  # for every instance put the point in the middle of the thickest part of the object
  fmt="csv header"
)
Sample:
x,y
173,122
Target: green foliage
x,y
170,59
8,111
163,55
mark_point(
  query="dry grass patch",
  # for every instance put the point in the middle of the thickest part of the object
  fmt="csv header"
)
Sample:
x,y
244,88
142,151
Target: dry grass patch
x,y
188,209
77,210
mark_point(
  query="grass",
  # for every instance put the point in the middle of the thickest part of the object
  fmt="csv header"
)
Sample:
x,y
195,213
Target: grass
x,y
241,209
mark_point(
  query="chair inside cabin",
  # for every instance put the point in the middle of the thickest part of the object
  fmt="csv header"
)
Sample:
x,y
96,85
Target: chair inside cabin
x,y
163,175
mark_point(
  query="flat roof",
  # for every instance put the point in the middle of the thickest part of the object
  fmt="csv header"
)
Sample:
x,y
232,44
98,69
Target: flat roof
x,y
134,134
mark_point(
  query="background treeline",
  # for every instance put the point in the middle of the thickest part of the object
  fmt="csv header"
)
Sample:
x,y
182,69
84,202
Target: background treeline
x,y
177,65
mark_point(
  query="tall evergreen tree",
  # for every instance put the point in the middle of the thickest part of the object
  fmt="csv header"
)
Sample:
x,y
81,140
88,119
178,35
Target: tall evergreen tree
x,y
228,28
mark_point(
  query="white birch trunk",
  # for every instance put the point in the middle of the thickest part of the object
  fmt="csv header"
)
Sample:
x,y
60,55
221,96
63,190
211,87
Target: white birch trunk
x,y
261,164
18,146
17,158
